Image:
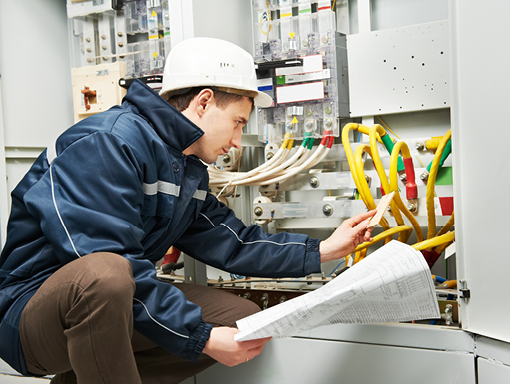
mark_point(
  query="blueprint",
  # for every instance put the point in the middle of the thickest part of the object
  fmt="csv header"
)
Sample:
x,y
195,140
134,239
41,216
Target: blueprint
x,y
392,284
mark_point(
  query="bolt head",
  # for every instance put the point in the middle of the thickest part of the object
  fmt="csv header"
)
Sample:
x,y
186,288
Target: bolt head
x,y
403,177
420,146
258,211
314,182
327,210
226,158
269,155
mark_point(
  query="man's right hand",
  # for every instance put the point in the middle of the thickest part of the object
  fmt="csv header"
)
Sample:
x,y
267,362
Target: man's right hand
x,y
222,347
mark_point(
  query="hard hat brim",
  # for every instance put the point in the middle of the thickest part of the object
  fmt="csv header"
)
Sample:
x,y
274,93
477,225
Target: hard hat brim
x,y
263,100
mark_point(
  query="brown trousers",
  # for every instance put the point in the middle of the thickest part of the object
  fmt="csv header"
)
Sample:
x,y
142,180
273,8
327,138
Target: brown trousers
x,y
81,319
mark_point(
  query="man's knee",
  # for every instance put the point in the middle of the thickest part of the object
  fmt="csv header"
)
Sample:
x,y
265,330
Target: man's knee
x,y
110,274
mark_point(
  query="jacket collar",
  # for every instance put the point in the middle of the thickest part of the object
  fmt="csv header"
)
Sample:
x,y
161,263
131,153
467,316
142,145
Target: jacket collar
x,y
175,129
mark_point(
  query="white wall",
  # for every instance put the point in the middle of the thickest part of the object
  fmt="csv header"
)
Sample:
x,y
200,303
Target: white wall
x,y
36,100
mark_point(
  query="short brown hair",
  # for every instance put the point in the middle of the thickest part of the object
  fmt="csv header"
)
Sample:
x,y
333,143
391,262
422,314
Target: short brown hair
x,y
223,99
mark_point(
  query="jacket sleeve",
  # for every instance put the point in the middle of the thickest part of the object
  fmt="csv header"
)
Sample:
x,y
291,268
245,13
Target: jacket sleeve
x,y
219,239
90,200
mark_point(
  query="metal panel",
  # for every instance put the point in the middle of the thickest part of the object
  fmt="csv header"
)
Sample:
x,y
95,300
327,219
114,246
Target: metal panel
x,y
36,102
4,192
319,361
398,334
399,70
493,349
224,19
480,92
491,372
39,106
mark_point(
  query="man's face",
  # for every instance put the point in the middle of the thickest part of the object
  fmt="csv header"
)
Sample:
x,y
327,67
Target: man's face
x,y
222,127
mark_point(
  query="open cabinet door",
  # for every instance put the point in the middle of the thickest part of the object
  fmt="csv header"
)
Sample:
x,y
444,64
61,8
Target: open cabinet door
x,y
480,39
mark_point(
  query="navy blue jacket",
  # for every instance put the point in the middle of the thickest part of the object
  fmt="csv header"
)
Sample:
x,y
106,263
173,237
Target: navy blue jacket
x,y
118,182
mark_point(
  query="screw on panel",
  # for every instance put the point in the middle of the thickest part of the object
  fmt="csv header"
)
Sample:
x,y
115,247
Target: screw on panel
x,y
403,177
269,155
314,182
327,210
258,211
265,300
420,146
226,158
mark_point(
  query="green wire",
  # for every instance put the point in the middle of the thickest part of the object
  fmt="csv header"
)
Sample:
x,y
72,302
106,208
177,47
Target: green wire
x,y
446,153
388,144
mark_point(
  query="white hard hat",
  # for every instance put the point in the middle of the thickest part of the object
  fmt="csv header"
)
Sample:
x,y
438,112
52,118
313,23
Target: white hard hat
x,y
205,61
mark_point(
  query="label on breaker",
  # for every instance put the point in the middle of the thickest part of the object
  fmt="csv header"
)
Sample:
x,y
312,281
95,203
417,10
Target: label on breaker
x,y
325,74
311,63
300,92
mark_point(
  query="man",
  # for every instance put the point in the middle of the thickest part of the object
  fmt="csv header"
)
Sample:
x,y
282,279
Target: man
x,y
78,291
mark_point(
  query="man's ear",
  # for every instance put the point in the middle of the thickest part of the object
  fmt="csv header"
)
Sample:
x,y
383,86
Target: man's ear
x,y
204,100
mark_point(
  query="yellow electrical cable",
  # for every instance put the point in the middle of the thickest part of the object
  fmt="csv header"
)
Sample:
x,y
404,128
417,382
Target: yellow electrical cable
x,y
439,249
388,128
363,254
397,136
374,130
384,235
447,226
434,242
431,232
363,185
350,156
401,146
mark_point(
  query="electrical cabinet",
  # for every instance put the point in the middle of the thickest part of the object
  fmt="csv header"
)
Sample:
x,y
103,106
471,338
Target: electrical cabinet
x,y
422,70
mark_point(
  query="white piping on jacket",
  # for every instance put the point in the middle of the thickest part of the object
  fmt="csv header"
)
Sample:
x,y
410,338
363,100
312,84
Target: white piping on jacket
x,y
157,322
58,212
251,242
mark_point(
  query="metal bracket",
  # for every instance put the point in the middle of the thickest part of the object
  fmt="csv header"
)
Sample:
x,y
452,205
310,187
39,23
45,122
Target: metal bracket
x,y
464,292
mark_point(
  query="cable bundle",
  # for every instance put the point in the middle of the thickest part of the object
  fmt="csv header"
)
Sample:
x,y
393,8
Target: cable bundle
x,y
435,243
278,168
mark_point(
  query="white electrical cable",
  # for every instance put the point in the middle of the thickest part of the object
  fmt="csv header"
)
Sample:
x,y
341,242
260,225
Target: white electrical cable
x,y
219,177
272,171
276,171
